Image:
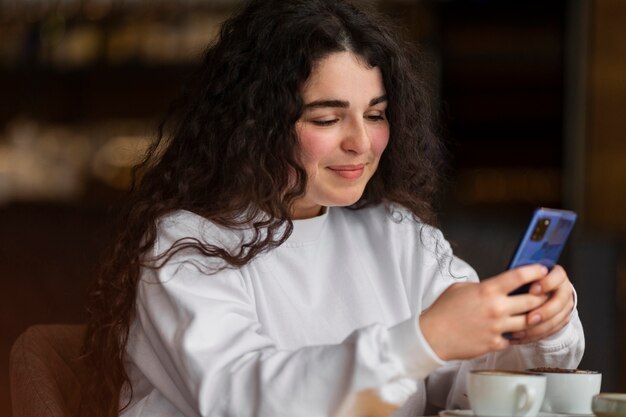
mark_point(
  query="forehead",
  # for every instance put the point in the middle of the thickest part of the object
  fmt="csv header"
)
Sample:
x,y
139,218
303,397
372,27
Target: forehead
x,y
343,75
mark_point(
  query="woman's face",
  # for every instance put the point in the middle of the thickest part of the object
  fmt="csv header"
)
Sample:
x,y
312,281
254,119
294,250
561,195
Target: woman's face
x,y
343,131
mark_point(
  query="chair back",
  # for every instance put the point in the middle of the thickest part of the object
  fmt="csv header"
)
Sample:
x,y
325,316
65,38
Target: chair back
x,y
45,371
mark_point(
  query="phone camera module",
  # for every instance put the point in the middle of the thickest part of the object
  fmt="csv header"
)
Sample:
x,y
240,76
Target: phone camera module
x,y
540,229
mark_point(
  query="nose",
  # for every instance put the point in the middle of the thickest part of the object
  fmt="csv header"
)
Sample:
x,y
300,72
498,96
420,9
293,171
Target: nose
x,y
356,138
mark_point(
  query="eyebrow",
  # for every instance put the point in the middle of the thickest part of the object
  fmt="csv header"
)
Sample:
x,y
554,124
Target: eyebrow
x,y
340,103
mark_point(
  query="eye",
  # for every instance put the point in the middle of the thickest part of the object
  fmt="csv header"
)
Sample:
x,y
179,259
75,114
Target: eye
x,y
377,117
324,122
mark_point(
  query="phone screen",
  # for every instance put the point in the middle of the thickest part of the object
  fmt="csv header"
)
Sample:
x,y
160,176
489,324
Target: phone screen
x,y
543,240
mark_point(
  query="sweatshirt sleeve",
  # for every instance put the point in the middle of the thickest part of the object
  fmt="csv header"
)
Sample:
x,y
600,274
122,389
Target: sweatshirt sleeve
x,y
199,342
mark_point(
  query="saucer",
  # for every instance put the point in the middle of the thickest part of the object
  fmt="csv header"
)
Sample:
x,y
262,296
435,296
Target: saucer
x,y
470,413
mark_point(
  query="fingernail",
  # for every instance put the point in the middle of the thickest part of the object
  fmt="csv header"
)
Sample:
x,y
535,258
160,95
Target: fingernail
x,y
534,319
536,289
519,335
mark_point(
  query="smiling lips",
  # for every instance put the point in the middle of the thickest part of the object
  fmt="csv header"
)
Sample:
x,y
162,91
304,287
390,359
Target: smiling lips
x,y
350,172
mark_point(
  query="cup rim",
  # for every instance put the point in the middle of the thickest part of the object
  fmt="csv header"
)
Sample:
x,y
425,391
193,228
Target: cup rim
x,y
619,397
504,372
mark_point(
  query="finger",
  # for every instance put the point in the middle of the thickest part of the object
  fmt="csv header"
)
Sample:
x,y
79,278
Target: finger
x,y
515,324
561,299
523,303
543,329
515,278
539,327
499,342
550,282
552,311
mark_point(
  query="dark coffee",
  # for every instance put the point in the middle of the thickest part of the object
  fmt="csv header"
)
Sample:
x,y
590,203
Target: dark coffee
x,y
547,370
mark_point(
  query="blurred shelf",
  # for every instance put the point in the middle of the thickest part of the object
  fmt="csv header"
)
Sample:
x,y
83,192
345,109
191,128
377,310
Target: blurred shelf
x,y
87,94
502,87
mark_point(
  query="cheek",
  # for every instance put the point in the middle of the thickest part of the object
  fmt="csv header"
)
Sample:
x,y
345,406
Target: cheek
x,y
380,139
314,146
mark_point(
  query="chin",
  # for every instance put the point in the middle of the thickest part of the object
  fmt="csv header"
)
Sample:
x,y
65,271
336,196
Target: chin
x,y
344,200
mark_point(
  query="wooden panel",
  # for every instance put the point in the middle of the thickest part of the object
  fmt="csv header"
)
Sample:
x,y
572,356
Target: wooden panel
x,y
606,148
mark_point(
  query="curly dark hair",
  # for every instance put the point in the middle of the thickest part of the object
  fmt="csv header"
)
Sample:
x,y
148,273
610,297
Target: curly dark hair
x,y
229,151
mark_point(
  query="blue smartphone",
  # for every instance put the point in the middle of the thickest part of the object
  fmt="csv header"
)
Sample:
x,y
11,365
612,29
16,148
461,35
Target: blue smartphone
x,y
543,240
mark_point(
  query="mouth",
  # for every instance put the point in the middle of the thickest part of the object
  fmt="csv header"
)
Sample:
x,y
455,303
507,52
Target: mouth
x,y
350,172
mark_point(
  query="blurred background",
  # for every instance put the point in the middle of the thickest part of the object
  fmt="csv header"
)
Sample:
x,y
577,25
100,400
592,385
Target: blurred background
x,y
532,97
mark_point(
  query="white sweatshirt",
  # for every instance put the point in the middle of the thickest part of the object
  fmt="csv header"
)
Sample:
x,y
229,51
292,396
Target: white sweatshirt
x,y
329,313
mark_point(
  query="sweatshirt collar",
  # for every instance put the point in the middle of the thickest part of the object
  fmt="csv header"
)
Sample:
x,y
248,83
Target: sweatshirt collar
x,y
307,230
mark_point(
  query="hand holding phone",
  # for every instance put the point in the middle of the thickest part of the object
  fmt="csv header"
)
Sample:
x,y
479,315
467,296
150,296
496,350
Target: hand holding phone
x,y
543,240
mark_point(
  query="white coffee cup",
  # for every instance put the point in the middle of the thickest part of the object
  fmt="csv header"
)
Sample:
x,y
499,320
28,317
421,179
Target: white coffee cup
x,y
569,391
503,393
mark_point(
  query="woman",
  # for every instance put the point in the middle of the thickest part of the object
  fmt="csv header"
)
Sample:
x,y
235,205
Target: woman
x,y
279,256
